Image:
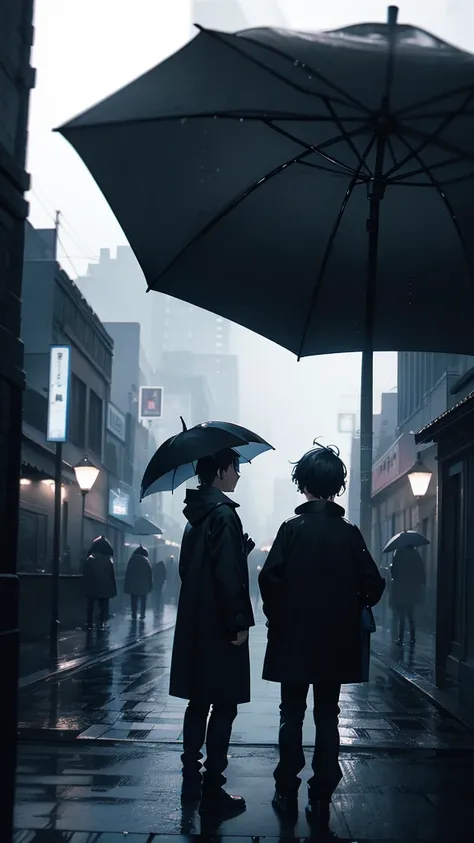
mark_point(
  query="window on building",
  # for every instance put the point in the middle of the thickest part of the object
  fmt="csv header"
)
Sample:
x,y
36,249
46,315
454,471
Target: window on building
x,y
32,542
77,416
95,423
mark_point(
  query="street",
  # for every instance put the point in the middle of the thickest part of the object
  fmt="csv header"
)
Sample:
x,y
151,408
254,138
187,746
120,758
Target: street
x,y
100,750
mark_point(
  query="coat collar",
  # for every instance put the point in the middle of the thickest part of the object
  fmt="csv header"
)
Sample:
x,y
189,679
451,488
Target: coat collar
x,y
320,507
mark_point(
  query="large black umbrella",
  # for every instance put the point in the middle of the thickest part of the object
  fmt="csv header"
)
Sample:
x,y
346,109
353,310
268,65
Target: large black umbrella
x,y
314,187
175,460
407,538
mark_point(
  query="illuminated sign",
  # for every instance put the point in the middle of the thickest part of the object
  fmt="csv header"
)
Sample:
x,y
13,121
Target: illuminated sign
x,y
58,393
120,502
151,402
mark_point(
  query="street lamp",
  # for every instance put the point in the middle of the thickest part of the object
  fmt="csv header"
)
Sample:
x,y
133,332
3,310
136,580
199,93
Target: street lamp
x,y
86,475
419,478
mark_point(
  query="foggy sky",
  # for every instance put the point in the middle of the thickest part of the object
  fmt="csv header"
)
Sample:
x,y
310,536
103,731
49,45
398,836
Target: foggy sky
x,y
85,50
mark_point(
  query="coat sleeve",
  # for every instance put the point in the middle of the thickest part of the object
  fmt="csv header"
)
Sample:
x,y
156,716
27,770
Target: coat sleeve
x,y
228,563
270,579
371,583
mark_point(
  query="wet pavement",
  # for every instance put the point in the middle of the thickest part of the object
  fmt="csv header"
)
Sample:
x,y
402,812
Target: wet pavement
x,y
124,696
89,787
100,751
78,647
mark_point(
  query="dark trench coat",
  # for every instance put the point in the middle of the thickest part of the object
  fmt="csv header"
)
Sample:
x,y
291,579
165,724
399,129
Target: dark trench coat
x,y
214,604
139,575
317,577
98,573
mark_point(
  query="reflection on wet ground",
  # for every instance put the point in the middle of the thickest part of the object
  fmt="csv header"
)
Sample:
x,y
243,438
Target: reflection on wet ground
x,y
89,787
125,697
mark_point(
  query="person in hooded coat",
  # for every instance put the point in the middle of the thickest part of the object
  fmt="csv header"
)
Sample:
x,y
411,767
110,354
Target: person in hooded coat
x,y
98,580
210,663
159,579
138,581
408,577
316,580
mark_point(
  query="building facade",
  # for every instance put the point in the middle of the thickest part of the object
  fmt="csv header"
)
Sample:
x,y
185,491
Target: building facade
x,y
55,313
429,384
453,434
16,81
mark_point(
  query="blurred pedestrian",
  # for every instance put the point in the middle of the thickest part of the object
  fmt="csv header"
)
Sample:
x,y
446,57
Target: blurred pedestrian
x,y
138,581
98,580
159,580
316,580
408,584
210,664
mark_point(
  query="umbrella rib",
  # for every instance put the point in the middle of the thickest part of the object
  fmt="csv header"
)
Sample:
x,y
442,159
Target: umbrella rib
x,y
345,135
446,202
310,148
348,99
420,170
330,245
442,184
234,203
437,98
340,173
433,137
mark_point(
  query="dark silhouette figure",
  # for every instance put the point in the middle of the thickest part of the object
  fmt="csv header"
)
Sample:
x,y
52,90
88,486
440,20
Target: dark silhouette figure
x,y
407,572
159,580
98,580
317,578
210,664
138,581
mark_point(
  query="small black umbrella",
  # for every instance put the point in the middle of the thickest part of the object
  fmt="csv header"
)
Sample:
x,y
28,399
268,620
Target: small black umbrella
x,y
407,538
175,460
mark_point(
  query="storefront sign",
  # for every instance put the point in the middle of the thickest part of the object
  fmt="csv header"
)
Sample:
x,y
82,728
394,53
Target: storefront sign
x,y
151,402
116,423
58,395
395,463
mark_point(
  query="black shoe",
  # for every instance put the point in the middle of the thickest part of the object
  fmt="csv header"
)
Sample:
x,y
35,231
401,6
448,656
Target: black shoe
x,y
134,617
219,800
318,813
286,803
142,617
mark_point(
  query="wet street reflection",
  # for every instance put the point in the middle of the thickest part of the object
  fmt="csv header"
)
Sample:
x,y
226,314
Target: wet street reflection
x,y
103,751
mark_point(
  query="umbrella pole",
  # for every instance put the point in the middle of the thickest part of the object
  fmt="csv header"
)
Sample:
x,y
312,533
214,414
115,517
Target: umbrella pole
x,y
382,129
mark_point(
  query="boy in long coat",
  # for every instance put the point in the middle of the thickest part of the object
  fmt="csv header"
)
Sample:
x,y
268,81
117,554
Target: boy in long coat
x,y
317,578
210,662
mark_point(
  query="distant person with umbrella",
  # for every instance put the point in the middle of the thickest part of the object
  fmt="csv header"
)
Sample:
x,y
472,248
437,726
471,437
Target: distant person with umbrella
x,y
210,663
98,580
316,583
138,581
408,580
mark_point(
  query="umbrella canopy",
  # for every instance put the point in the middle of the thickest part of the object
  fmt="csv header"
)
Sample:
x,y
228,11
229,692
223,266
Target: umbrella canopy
x,y
316,188
408,538
239,170
175,460
144,527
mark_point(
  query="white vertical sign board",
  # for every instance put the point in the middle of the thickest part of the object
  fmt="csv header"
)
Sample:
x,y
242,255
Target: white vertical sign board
x,y
58,395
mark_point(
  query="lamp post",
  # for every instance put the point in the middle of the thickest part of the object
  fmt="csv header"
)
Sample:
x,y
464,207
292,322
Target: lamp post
x,y
419,478
86,475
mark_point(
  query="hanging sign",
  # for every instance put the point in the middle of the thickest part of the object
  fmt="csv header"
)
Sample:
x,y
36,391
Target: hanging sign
x,y
58,394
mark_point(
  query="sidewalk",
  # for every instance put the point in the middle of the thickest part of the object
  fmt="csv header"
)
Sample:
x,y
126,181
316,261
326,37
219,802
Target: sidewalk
x,y
416,664
125,698
78,647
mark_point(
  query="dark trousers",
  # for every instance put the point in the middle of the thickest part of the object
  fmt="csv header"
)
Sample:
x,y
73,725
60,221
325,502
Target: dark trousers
x,y
103,609
134,604
217,739
326,770
406,613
